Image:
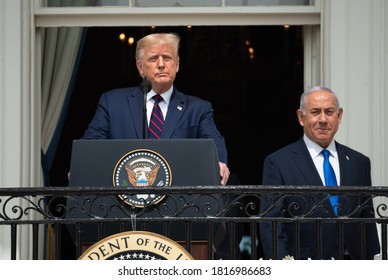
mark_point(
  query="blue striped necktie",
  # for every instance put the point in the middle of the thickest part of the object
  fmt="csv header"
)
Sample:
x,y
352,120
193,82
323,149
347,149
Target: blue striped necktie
x,y
330,179
155,126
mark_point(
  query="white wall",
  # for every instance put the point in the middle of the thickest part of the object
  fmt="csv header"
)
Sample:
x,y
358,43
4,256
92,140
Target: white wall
x,y
355,47
19,155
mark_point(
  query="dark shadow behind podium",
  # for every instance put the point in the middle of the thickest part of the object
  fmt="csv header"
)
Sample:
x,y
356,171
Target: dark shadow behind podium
x,y
192,161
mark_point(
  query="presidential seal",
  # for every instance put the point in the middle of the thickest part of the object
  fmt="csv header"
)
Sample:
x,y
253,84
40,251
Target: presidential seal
x,y
136,245
142,168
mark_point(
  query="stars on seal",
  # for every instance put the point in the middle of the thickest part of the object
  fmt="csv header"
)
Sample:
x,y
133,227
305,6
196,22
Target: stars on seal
x,y
136,256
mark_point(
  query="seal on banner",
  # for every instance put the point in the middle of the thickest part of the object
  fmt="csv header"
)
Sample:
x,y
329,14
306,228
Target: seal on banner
x,y
136,245
142,168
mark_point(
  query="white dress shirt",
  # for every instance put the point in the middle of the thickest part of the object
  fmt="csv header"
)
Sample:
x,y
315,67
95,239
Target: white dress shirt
x,y
162,104
315,153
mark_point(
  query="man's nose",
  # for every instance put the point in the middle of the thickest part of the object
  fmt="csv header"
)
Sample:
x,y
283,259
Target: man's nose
x,y
160,61
323,117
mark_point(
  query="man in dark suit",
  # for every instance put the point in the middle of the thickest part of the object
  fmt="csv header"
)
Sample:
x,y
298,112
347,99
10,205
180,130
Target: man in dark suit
x,y
119,114
301,163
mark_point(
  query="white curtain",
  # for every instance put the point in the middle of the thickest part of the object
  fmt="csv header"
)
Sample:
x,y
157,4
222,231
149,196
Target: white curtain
x,y
60,49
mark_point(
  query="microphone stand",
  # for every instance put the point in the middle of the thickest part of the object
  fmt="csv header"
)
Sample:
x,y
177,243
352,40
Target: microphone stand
x,y
145,87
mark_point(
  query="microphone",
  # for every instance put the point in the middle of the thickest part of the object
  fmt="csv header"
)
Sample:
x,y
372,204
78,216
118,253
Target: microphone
x,y
145,87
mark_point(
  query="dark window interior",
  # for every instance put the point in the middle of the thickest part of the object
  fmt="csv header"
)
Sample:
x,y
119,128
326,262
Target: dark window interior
x,y
254,95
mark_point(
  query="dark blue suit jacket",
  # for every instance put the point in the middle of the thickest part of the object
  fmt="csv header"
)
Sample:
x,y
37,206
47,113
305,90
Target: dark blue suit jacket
x,y
119,115
293,165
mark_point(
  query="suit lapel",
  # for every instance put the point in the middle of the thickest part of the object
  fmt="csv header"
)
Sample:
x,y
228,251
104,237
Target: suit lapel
x,y
344,166
305,164
343,161
176,108
135,102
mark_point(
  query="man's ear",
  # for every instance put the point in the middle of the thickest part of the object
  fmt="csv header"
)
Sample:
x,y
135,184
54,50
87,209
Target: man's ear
x,y
300,116
140,68
340,112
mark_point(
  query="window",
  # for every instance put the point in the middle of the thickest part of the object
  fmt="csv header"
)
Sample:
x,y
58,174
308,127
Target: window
x,y
258,63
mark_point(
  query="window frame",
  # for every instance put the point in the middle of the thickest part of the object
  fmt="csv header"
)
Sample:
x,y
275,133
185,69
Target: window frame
x,y
308,16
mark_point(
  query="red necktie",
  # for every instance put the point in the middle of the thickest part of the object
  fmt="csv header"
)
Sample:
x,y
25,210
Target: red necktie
x,y
156,123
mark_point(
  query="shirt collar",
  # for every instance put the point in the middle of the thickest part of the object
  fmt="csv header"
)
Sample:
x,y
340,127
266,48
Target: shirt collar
x,y
315,149
166,95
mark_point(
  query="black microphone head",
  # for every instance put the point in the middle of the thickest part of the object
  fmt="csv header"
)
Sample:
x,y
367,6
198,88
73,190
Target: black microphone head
x,y
146,85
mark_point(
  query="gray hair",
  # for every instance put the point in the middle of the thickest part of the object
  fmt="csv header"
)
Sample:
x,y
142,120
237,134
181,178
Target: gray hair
x,y
157,39
304,95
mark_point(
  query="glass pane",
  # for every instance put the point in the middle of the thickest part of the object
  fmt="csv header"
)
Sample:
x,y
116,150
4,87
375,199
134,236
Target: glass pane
x,y
269,2
178,3
86,3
